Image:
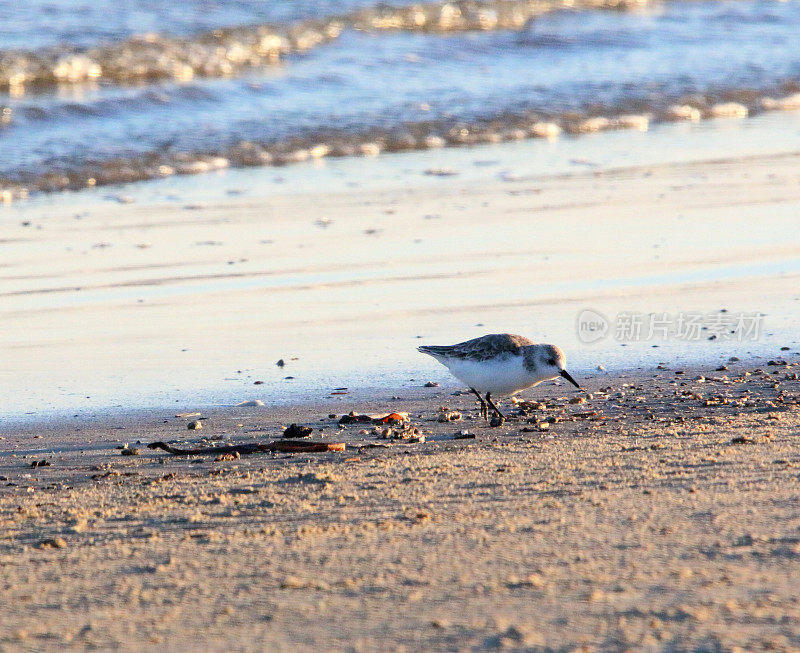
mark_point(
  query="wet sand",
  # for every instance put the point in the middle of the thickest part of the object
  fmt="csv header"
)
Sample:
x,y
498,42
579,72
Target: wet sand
x,y
134,301
658,510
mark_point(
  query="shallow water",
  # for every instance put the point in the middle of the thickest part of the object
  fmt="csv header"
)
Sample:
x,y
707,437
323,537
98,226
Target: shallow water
x,y
362,88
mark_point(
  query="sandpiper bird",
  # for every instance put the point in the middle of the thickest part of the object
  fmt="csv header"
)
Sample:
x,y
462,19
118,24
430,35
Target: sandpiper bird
x,y
500,364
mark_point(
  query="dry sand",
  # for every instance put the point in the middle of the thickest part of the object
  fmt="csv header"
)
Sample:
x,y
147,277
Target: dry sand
x,y
661,513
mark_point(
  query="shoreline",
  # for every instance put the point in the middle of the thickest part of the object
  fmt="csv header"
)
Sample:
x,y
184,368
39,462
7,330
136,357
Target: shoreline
x,y
621,151
387,398
519,126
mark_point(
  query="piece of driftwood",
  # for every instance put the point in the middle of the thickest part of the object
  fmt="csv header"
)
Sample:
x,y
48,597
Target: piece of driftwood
x,y
254,447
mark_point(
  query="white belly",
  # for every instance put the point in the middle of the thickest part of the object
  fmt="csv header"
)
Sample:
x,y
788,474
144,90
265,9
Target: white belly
x,y
501,377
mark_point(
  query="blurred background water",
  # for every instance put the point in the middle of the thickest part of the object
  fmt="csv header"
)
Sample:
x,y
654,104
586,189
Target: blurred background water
x,y
107,92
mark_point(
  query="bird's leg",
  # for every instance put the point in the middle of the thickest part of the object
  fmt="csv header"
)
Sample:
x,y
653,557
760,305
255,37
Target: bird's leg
x,y
484,409
494,406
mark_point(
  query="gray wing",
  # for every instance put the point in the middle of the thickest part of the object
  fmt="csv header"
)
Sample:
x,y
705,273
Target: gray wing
x,y
483,348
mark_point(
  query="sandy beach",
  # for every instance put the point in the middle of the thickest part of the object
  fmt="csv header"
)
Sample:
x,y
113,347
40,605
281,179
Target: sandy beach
x,y
653,511
231,231
656,509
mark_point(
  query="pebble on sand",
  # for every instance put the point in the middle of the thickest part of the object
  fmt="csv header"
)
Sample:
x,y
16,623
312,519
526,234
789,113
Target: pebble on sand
x,y
446,415
53,543
295,431
355,418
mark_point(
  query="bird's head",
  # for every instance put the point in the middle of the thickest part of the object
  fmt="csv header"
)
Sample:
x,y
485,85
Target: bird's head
x,y
551,360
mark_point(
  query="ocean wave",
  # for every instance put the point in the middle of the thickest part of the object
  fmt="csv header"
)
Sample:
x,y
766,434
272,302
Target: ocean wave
x,y
229,51
132,100
502,127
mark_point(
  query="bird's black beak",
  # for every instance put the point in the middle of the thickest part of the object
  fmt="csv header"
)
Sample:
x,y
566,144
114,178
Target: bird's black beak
x,y
567,376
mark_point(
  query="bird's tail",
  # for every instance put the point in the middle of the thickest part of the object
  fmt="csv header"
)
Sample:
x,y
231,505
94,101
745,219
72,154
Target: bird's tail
x,y
434,350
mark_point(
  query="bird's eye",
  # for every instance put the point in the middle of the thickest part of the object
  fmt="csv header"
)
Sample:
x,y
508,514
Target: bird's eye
x,y
552,361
